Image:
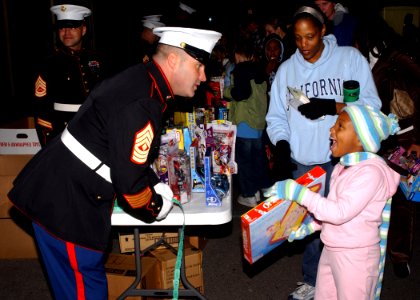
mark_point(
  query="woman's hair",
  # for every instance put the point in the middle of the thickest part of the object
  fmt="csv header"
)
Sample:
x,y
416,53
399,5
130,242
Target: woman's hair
x,y
310,12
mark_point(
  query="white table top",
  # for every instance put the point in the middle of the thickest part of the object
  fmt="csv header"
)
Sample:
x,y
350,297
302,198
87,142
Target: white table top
x,y
196,213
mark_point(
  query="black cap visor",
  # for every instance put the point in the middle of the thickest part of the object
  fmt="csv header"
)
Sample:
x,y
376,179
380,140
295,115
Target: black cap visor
x,y
199,54
68,24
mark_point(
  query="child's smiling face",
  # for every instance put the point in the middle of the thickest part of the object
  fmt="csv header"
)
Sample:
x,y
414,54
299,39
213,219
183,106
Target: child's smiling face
x,y
343,136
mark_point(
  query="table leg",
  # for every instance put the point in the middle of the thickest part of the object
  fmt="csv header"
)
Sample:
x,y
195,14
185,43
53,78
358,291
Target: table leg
x,y
188,291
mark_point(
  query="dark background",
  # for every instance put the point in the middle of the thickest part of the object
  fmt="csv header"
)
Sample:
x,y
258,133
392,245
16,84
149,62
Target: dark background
x,y
27,34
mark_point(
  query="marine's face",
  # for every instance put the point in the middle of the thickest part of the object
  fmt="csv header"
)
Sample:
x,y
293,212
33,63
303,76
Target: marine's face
x,y
189,75
308,38
343,137
72,37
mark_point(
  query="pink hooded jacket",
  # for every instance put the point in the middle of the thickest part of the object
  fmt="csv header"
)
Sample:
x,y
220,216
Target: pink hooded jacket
x,y
351,214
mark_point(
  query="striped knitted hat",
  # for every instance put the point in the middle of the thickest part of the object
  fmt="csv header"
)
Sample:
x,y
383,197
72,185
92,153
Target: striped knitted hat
x,y
371,125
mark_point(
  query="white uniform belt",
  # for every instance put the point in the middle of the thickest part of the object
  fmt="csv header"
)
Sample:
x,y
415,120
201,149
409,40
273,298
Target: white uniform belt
x,y
85,155
66,107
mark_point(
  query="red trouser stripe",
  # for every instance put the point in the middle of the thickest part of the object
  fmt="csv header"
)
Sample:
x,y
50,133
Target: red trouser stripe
x,y
80,288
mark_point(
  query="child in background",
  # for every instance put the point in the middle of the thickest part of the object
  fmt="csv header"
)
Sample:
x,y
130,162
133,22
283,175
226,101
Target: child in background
x,y
349,218
247,109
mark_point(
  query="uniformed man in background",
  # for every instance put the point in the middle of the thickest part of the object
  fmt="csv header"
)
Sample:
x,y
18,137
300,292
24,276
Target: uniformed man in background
x,y
66,77
69,187
149,40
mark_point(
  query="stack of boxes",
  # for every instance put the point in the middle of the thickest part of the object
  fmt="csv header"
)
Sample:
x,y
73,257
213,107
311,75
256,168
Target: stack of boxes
x,y
17,147
158,263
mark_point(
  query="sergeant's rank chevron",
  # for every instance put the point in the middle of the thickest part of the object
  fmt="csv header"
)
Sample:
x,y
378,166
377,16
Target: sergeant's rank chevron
x,y
142,143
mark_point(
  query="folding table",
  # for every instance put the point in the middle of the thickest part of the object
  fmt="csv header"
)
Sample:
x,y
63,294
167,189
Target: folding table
x,y
196,213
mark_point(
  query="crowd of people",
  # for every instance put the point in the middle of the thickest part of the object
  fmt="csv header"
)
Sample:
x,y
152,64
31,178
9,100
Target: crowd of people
x,y
87,121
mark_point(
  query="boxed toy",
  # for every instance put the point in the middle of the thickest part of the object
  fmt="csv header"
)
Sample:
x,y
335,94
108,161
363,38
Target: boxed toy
x,y
180,176
197,179
168,147
268,225
410,185
222,143
217,185
408,166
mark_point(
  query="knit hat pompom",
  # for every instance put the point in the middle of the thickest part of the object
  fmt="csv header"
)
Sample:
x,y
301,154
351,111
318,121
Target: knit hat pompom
x,y
371,125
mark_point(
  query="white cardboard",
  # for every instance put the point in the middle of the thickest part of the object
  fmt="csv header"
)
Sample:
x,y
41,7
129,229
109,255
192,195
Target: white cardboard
x,y
19,141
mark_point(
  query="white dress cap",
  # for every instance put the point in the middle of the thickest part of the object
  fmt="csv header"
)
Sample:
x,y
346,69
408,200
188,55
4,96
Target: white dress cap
x,y
152,18
70,12
152,24
189,39
186,8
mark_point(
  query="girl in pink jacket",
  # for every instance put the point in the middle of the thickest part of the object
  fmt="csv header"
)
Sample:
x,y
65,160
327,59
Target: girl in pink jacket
x,y
350,217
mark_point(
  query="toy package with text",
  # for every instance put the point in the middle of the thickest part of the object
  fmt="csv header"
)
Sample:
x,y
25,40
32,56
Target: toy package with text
x,y
268,225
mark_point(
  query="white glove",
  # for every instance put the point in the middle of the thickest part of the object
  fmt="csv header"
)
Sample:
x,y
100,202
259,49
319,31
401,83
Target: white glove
x,y
165,191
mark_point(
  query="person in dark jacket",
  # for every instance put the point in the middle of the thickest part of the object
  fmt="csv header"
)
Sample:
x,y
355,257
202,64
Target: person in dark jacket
x,y
69,187
342,22
247,110
66,77
394,66
148,40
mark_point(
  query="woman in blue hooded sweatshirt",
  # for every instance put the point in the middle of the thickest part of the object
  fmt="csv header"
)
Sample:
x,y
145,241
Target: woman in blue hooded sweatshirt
x,y
318,68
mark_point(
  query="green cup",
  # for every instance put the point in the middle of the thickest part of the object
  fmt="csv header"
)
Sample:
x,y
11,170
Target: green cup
x,y
351,91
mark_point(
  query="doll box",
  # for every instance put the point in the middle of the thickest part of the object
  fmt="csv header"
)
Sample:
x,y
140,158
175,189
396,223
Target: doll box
x,y
410,185
268,225
197,181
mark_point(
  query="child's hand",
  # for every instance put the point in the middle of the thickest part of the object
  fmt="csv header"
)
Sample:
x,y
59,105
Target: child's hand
x,y
288,190
303,231
414,148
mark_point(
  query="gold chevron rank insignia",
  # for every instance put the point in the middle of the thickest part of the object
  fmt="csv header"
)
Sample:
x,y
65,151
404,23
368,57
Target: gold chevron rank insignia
x,y
142,143
140,199
40,87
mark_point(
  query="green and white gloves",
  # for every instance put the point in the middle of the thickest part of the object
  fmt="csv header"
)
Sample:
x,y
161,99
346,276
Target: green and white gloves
x,y
303,231
288,190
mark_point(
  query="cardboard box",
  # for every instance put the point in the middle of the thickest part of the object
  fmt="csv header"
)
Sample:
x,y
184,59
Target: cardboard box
x,y
197,242
410,185
268,225
162,274
6,183
184,118
121,272
19,141
25,122
10,166
147,240
13,164
16,235
16,240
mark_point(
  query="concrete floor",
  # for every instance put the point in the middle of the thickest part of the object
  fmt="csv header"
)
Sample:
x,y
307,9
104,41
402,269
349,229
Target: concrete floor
x,y
226,275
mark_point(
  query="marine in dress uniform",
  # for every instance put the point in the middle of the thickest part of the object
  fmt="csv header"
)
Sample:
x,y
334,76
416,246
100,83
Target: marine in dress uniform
x,y
149,40
69,187
66,77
